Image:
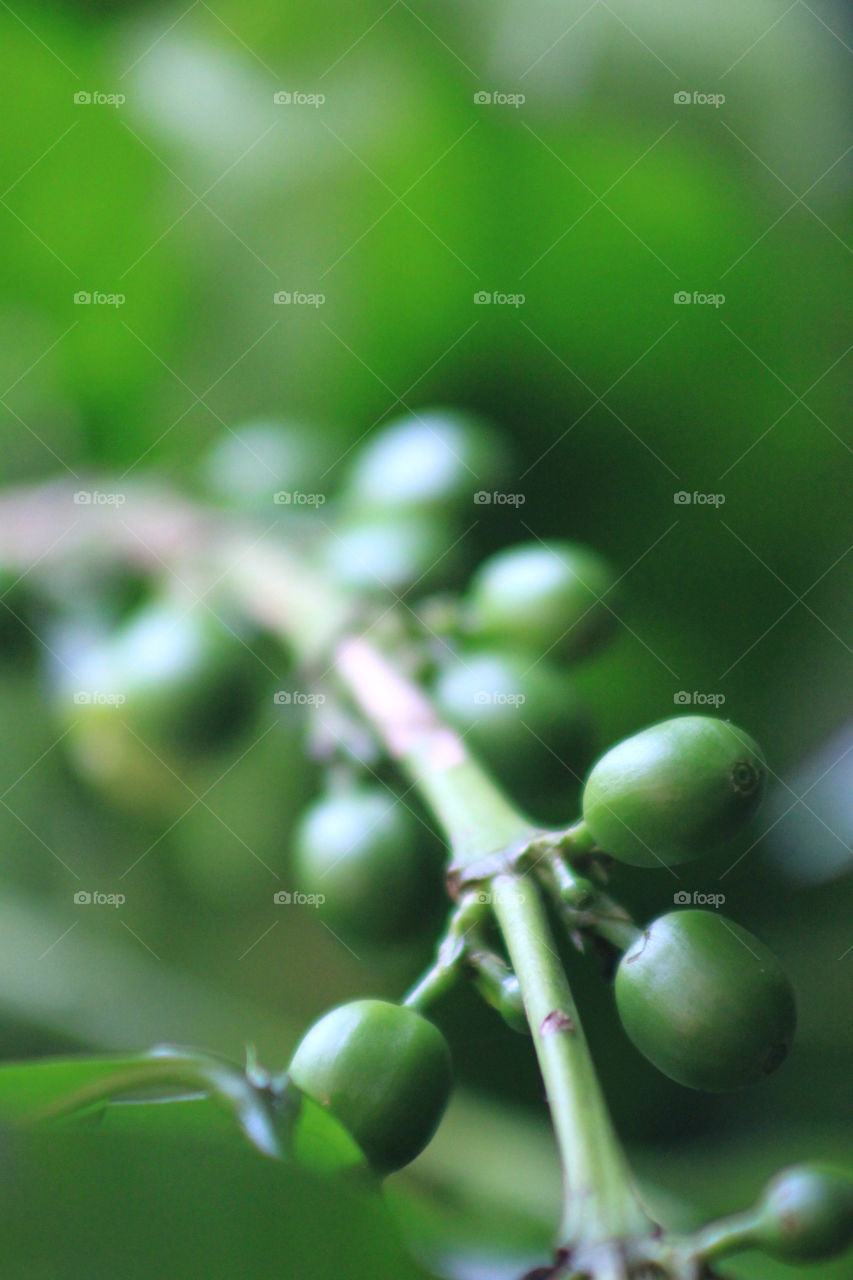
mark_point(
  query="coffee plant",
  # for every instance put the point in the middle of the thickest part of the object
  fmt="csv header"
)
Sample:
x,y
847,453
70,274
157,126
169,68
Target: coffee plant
x,y
402,672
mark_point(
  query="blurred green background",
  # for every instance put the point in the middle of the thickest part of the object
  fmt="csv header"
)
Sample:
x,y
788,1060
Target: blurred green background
x,y
589,192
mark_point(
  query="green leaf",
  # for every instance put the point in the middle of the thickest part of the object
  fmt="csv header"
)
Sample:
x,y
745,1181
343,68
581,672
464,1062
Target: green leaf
x,y
317,1140
25,1087
98,1205
179,1093
321,1143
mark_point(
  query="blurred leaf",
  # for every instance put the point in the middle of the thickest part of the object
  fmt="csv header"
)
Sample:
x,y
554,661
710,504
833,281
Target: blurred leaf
x,y
182,1091
72,1088
25,1087
318,1141
89,1204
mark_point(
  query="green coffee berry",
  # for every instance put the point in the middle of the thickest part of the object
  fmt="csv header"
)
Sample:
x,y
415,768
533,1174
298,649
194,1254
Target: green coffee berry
x,y
365,853
513,712
542,597
705,1001
674,791
388,550
806,1213
263,458
184,679
384,1071
425,460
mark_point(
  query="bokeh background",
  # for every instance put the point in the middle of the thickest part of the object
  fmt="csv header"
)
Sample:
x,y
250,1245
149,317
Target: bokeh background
x,y
494,206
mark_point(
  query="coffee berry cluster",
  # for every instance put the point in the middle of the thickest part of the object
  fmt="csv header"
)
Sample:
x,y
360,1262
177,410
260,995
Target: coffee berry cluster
x,y
697,994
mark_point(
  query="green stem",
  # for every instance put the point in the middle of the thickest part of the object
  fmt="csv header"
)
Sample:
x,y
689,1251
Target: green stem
x,y
500,988
599,1202
284,594
586,905
728,1235
479,821
432,985
452,955
576,840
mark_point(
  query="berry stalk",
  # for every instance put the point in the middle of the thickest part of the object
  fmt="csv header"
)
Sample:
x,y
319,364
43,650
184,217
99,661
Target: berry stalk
x,y
479,821
486,833
599,1203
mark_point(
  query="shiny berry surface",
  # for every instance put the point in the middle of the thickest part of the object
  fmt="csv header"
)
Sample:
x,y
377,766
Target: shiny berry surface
x,y
384,1071
705,1001
673,792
